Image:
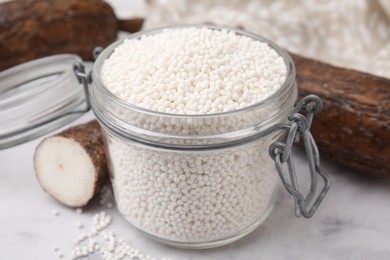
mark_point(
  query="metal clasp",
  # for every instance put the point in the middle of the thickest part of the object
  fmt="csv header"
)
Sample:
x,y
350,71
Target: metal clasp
x,y
84,79
280,152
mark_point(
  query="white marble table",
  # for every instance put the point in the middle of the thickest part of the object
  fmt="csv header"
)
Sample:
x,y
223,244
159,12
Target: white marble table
x,y
352,223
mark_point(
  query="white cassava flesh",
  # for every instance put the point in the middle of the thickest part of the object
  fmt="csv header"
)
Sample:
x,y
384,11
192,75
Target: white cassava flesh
x,y
65,170
70,166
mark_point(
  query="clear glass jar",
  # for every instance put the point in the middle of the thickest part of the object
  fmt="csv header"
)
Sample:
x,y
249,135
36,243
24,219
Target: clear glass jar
x,y
193,181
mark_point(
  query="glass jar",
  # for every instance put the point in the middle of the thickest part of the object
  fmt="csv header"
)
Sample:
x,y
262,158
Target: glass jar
x,y
200,181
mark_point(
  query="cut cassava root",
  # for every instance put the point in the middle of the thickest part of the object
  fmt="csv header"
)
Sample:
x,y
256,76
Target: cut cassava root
x,y
71,166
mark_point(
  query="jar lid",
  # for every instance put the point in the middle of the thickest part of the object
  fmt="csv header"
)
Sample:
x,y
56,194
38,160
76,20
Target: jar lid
x,y
38,97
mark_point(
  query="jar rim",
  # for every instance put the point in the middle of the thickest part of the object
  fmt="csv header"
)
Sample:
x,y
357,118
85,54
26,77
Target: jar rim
x,y
290,76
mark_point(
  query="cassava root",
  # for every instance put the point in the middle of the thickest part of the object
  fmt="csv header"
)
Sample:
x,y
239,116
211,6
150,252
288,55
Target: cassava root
x,y
31,29
71,166
353,128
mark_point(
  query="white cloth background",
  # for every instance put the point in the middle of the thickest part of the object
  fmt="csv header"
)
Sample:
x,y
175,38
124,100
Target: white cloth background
x,y
348,33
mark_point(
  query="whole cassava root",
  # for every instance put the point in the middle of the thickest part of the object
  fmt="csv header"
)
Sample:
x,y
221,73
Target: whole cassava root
x,y
71,166
30,29
353,128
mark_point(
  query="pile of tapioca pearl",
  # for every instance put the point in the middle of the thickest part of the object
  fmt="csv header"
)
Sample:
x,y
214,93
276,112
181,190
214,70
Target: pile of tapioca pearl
x,y
162,72
192,196
193,71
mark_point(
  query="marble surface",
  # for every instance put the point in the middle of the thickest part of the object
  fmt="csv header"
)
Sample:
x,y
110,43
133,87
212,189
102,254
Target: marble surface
x,y
352,223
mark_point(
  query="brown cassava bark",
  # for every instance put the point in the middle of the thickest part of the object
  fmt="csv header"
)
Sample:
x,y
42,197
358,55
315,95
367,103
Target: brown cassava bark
x,y
353,128
31,29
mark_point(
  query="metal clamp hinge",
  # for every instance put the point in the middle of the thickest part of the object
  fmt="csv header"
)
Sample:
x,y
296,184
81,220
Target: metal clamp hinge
x,y
84,79
280,152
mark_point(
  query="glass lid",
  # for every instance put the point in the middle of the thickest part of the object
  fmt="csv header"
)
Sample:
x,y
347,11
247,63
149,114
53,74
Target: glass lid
x,y
38,97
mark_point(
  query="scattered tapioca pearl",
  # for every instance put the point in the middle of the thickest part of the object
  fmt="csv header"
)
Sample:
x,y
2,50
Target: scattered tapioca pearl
x,y
104,244
79,225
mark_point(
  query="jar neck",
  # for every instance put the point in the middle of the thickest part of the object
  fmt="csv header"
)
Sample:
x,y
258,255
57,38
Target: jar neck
x,y
191,131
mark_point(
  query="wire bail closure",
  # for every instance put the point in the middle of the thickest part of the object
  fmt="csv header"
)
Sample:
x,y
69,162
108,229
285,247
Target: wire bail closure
x,y
84,79
280,152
